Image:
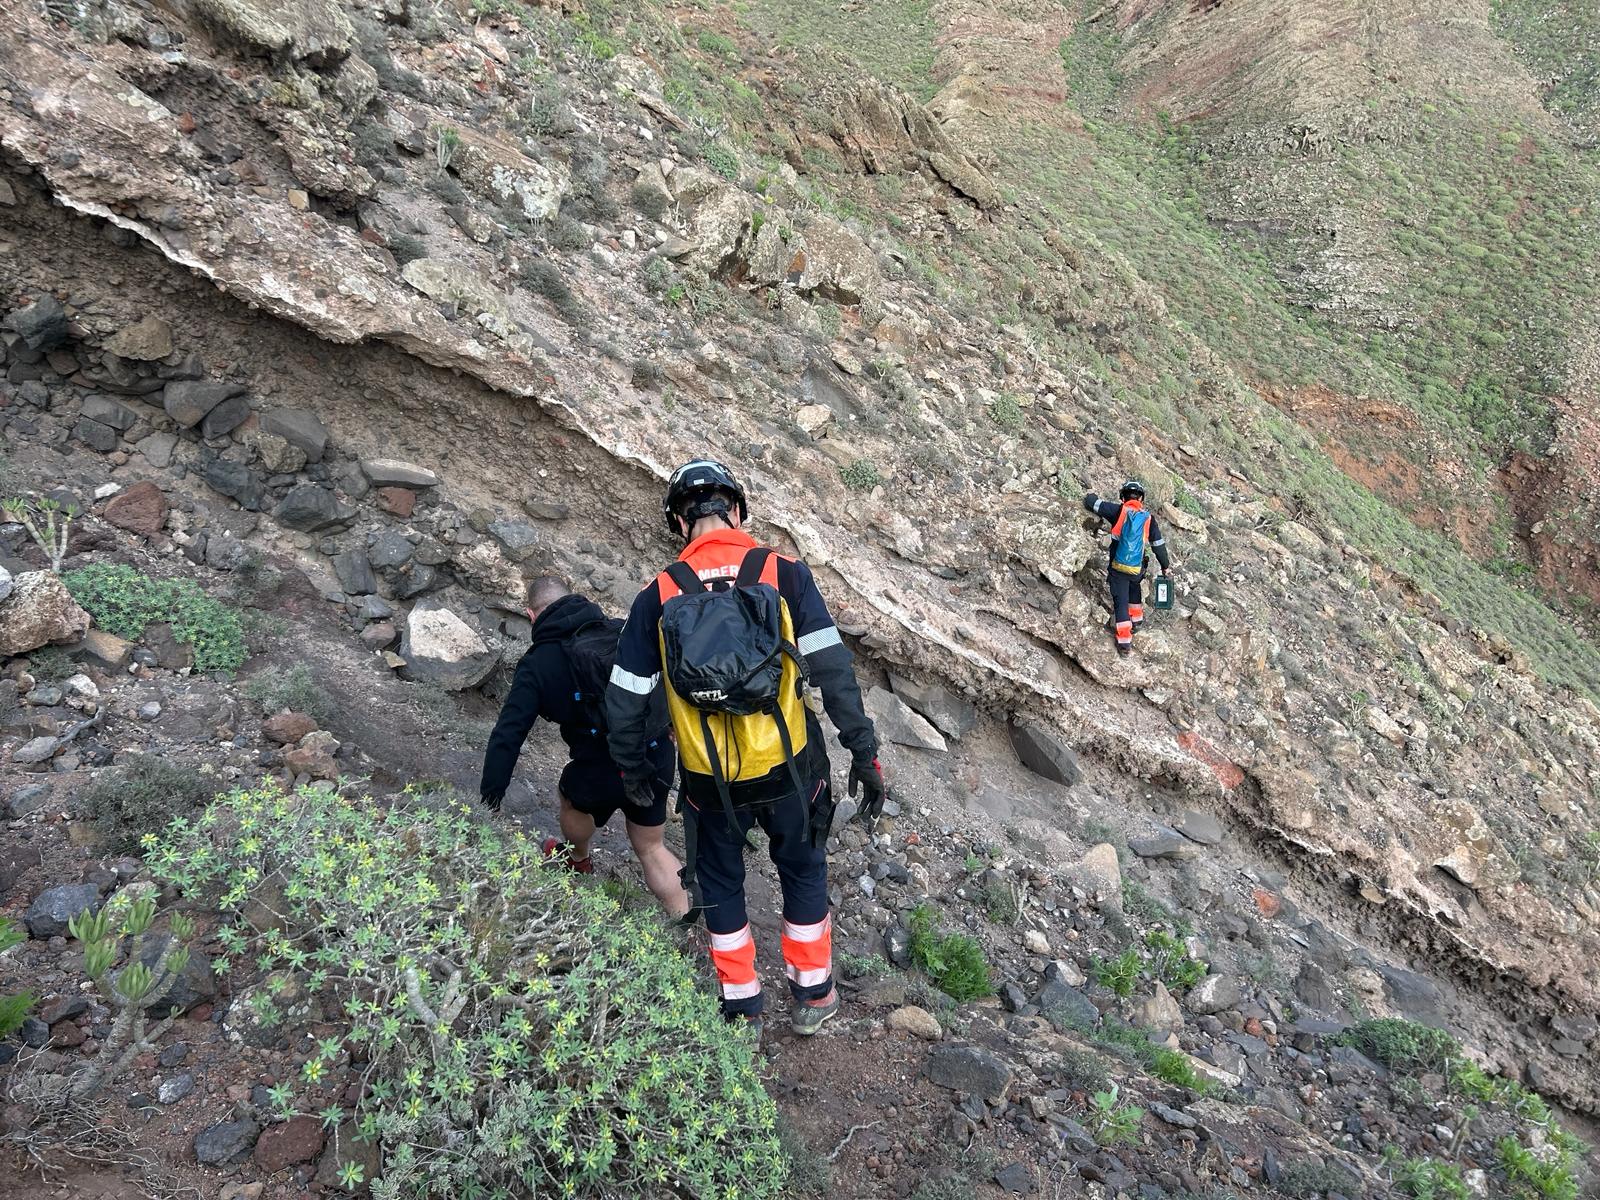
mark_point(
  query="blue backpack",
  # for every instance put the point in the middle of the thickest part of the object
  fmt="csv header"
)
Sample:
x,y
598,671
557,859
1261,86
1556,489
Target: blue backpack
x,y
1132,533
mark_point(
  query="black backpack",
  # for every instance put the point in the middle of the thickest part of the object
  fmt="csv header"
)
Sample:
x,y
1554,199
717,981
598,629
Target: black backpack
x,y
592,652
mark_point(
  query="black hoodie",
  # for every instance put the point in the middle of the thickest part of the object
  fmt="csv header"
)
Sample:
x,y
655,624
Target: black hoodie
x,y
545,687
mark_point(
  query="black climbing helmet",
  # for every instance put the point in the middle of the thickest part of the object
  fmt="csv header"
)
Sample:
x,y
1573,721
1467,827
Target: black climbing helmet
x,y
1132,490
693,493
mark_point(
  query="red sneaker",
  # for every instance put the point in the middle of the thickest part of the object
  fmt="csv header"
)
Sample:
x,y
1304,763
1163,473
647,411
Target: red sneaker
x,y
556,848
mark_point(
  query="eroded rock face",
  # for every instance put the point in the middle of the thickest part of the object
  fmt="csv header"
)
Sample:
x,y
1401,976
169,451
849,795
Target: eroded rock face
x,y
39,612
314,31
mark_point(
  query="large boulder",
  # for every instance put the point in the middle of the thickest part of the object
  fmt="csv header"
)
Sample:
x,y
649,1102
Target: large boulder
x,y
301,429
6,583
42,325
970,1069
1044,753
39,612
313,31
895,721
952,715
188,401
313,509
54,907
142,509
440,647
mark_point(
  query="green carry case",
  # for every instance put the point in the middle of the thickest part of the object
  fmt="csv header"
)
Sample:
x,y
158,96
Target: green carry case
x,y
1161,593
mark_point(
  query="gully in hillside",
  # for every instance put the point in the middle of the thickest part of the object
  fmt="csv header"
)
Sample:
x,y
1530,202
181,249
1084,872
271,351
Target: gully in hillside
x,y
562,678
1134,537
731,632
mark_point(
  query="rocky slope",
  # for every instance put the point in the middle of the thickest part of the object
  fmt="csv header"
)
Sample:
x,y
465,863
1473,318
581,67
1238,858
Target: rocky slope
x,y
411,305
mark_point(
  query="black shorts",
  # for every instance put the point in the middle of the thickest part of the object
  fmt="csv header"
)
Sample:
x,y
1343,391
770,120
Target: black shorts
x,y
594,788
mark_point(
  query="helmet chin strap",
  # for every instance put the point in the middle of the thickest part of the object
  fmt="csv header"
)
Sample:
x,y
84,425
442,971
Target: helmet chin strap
x,y
714,506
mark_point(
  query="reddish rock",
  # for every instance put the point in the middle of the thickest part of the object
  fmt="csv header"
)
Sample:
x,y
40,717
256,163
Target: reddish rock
x,y
379,635
67,1033
297,1140
287,728
397,501
187,123
200,1014
1225,769
1266,903
142,509
311,761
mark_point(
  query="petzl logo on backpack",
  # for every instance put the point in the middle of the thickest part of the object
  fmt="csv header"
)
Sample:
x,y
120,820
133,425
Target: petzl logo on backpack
x,y
1132,535
733,676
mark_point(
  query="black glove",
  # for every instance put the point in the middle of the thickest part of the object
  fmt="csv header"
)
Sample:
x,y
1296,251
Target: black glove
x,y
491,800
867,775
639,790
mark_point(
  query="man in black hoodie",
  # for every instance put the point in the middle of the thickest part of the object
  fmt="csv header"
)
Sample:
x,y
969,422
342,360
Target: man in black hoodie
x,y
591,785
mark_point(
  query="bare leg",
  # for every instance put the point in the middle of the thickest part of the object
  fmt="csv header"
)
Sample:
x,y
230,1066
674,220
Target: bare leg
x,y
660,867
577,828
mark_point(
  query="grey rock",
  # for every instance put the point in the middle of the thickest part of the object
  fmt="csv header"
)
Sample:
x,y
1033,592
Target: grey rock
x,y
158,449
897,945
545,510
895,721
1214,994
392,472
299,428
969,1069
413,581
173,1055
1578,1027
1163,843
5,583
226,1142
949,713
1012,997
235,480
313,509
53,908
149,710
375,608
1044,753
47,694
109,412
1077,1138
42,325
1567,1047
95,435
35,750
172,1090
187,401
1015,1179
439,646
391,550
355,573
1173,1116
1065,1005
34,1033
1314,989
224,418
27,800
520,539
1201,827
195,984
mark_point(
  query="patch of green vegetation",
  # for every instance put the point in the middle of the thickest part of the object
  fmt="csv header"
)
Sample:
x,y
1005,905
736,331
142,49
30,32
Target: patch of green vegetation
x,y
861,475
1427,1178
999,904
544,277
433,933
274,689
1559,40
140,795
13,1006
1006,412
1170,961
52,664
1134,1045
1121,973
718,44
123,602
893,39
722,160
1111,1121
1305,1180
954,961
1535,1176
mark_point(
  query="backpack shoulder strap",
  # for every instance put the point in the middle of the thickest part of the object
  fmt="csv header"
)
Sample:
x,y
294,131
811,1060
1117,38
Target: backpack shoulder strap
x,y
751,567
685,577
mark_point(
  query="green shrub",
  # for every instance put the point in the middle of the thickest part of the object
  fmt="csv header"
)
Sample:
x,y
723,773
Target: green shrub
x,y
861,475
719,44
275,689
722,160
1171,962
520,1034
1121,973
544,277
123,602
954,961
1427,1178
139,795
651,201
1112,1122
1535,1176
407,247
13,1008
1005,411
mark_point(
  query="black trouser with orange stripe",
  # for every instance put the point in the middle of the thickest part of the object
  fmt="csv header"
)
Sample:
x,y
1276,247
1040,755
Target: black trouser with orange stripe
x,y
1127,599
807,940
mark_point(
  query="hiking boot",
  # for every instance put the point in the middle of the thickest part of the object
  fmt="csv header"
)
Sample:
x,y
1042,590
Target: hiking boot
x,y
752,1024
556,848
808,1017
1124,651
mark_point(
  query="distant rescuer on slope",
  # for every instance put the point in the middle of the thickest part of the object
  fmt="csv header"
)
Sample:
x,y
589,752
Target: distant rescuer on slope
x,y
731,631
562,678
1134,534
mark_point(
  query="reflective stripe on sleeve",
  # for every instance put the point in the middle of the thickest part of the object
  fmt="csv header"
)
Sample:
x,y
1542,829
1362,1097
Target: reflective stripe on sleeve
x,y
639,685
818,639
